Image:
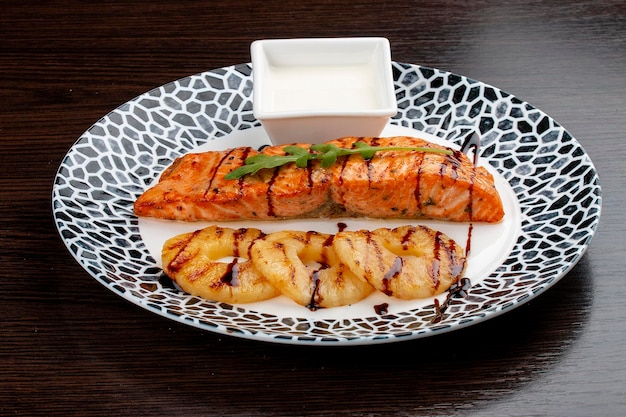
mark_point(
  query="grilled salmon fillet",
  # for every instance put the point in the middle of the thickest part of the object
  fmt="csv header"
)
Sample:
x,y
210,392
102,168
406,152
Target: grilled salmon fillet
x,y
392,184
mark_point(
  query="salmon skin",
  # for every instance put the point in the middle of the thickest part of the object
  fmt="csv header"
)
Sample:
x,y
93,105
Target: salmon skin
x,y
392,184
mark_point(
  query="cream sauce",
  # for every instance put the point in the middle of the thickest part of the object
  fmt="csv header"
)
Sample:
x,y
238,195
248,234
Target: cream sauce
x,y
321,88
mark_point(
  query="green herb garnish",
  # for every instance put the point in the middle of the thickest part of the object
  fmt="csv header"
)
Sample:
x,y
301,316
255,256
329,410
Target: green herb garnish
x,y
326,152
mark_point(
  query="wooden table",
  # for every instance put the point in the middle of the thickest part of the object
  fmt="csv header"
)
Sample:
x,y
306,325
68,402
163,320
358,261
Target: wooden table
x,y
70,347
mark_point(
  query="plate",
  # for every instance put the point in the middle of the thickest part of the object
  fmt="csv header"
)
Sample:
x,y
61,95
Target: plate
x,y
550,189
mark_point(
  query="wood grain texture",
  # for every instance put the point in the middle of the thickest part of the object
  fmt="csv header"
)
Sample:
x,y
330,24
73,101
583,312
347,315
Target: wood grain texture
x,y
70,347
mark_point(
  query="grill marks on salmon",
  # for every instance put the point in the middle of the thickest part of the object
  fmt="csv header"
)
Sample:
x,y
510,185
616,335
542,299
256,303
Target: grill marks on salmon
x,y
392,184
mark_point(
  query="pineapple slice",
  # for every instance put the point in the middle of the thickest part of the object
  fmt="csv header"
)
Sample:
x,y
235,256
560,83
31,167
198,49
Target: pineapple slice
x,y
407,262
213,263
305,268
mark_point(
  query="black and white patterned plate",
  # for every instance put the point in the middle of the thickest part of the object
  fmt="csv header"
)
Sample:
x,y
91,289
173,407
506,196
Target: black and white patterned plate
x,y
550,187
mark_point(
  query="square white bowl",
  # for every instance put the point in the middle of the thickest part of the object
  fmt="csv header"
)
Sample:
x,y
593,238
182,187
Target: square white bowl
x,y
317,89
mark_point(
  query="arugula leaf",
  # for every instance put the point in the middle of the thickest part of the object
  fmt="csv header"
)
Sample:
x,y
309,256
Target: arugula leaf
x,y
255,163
302,155
326,152
366,150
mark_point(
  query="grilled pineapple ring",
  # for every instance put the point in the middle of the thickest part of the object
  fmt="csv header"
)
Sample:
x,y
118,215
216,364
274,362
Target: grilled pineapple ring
x,y
305,268
407,262
313,269
192,260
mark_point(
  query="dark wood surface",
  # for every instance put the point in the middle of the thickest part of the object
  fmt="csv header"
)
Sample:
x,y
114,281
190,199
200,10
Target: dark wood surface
x,y
70,347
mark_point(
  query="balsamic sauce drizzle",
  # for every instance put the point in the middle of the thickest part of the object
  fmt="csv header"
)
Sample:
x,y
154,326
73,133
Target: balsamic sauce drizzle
x,y
391,274
314,302
368,161
230,277
381,309
471,141
227,156
316,298
461,288
436,264
270,185
417,192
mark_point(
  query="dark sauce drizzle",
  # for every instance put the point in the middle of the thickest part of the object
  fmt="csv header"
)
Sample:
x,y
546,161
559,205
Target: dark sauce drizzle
x,y
392,273
270,203
314,302
231,275
407,238
381,309
417,192
309,168
217,168
238,235
243,158
437,253
472,141
368,162
461,288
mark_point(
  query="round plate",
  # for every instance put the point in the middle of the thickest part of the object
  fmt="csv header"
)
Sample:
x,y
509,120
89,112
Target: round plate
x,y
550,188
